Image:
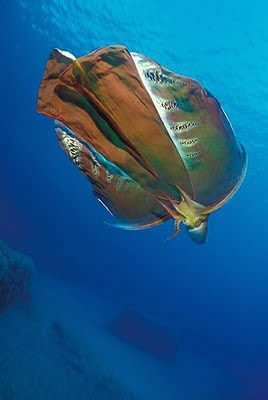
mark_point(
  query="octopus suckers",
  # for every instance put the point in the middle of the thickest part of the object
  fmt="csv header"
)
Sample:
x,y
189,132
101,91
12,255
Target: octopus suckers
x,y
73,147
95,167
109,176
127,186
119,183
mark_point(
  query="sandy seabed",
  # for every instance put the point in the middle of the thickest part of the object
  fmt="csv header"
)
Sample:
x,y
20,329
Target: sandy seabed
x,y
56,347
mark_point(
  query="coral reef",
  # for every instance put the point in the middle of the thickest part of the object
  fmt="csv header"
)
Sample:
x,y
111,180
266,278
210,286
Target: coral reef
x,y
16,270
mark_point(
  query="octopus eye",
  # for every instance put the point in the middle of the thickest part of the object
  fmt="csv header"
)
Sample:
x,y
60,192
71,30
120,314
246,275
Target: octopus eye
x,y
198,222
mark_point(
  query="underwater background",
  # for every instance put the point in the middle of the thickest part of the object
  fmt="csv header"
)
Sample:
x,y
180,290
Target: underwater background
x,y
205,306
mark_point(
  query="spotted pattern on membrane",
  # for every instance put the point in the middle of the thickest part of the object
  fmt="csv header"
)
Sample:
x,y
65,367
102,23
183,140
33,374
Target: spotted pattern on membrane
x,y
184,126
157,76
169,105
151,75
188,142
193,154
73,148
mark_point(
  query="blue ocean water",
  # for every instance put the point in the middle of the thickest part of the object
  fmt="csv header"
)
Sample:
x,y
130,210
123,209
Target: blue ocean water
x,y
211,298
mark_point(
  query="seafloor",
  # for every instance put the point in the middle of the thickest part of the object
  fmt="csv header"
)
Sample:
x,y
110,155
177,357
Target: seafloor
x,y
57,347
